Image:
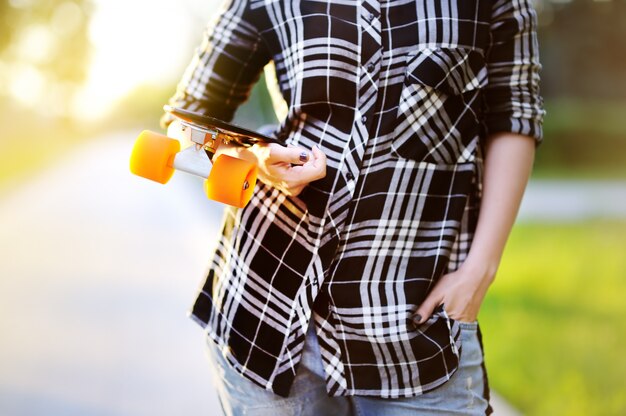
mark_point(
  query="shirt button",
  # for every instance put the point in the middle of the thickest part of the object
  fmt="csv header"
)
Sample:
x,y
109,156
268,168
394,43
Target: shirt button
x,y
370,17
364,119
370,67
350,176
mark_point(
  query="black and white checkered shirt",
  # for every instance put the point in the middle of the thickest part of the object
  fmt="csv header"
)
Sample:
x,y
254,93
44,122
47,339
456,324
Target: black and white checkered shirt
x,y
400,95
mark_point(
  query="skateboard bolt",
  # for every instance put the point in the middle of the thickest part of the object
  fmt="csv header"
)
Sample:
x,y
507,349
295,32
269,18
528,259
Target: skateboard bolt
x,y
246,185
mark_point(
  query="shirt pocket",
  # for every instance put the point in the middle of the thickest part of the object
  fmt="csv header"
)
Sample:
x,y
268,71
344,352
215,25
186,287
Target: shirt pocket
x,y
439,112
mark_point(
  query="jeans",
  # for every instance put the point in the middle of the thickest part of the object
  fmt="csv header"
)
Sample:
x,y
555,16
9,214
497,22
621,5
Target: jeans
x,y
466,393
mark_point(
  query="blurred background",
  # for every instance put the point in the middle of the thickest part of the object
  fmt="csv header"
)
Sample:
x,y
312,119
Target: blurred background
x,y
98,268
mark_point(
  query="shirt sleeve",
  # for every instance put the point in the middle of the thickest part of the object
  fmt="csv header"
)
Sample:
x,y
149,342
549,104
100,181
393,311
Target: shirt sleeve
x,y
512,100
224,67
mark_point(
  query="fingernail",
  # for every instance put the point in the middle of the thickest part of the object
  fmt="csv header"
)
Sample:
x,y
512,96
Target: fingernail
x,y
304,157
417,318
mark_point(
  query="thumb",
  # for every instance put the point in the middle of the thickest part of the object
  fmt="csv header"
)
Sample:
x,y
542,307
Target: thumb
x,y
319,157
425,310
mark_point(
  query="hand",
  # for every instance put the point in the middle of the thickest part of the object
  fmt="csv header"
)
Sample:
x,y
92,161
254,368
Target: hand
x,y
461,292
289,169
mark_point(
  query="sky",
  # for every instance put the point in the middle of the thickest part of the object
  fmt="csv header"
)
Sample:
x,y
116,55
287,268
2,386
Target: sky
x,y
138,42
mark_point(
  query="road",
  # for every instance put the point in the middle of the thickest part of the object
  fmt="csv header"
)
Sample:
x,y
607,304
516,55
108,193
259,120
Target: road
x,y
98,270
559,201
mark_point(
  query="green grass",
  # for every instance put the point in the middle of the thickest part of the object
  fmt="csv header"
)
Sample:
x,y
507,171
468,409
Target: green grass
x,y
555,320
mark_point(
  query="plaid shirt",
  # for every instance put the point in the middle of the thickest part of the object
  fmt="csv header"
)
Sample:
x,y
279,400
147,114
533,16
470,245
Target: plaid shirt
x,y
400,95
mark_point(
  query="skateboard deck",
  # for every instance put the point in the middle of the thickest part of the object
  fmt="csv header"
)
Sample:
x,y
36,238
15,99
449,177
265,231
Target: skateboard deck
x,y
228,179
240,135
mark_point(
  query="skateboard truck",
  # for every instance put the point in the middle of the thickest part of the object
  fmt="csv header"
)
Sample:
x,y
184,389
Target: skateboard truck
x,y
228,179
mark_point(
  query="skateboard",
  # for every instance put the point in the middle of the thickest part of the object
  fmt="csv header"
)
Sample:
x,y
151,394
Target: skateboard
x,y
228,179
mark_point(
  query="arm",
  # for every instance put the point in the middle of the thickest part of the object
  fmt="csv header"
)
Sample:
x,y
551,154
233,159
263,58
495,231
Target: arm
x,y
513,114
225,66
508,162
219,78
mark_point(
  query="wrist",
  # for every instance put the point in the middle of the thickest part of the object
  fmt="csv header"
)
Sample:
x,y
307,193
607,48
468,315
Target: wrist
x,y
483,268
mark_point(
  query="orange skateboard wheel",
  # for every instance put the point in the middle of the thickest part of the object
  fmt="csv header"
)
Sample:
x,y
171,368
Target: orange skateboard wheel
x,y
231,181
153,155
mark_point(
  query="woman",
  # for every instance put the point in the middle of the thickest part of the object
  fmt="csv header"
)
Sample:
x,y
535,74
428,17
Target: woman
x,y
352,281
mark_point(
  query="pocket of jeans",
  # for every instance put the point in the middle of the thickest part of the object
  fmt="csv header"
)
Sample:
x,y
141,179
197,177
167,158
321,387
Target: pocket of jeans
x,y
462,325
439,112
452,328
468,326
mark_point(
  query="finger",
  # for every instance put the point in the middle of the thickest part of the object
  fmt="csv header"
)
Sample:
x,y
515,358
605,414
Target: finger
x,y
425,310
291,155
319,158
314,169
300,174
